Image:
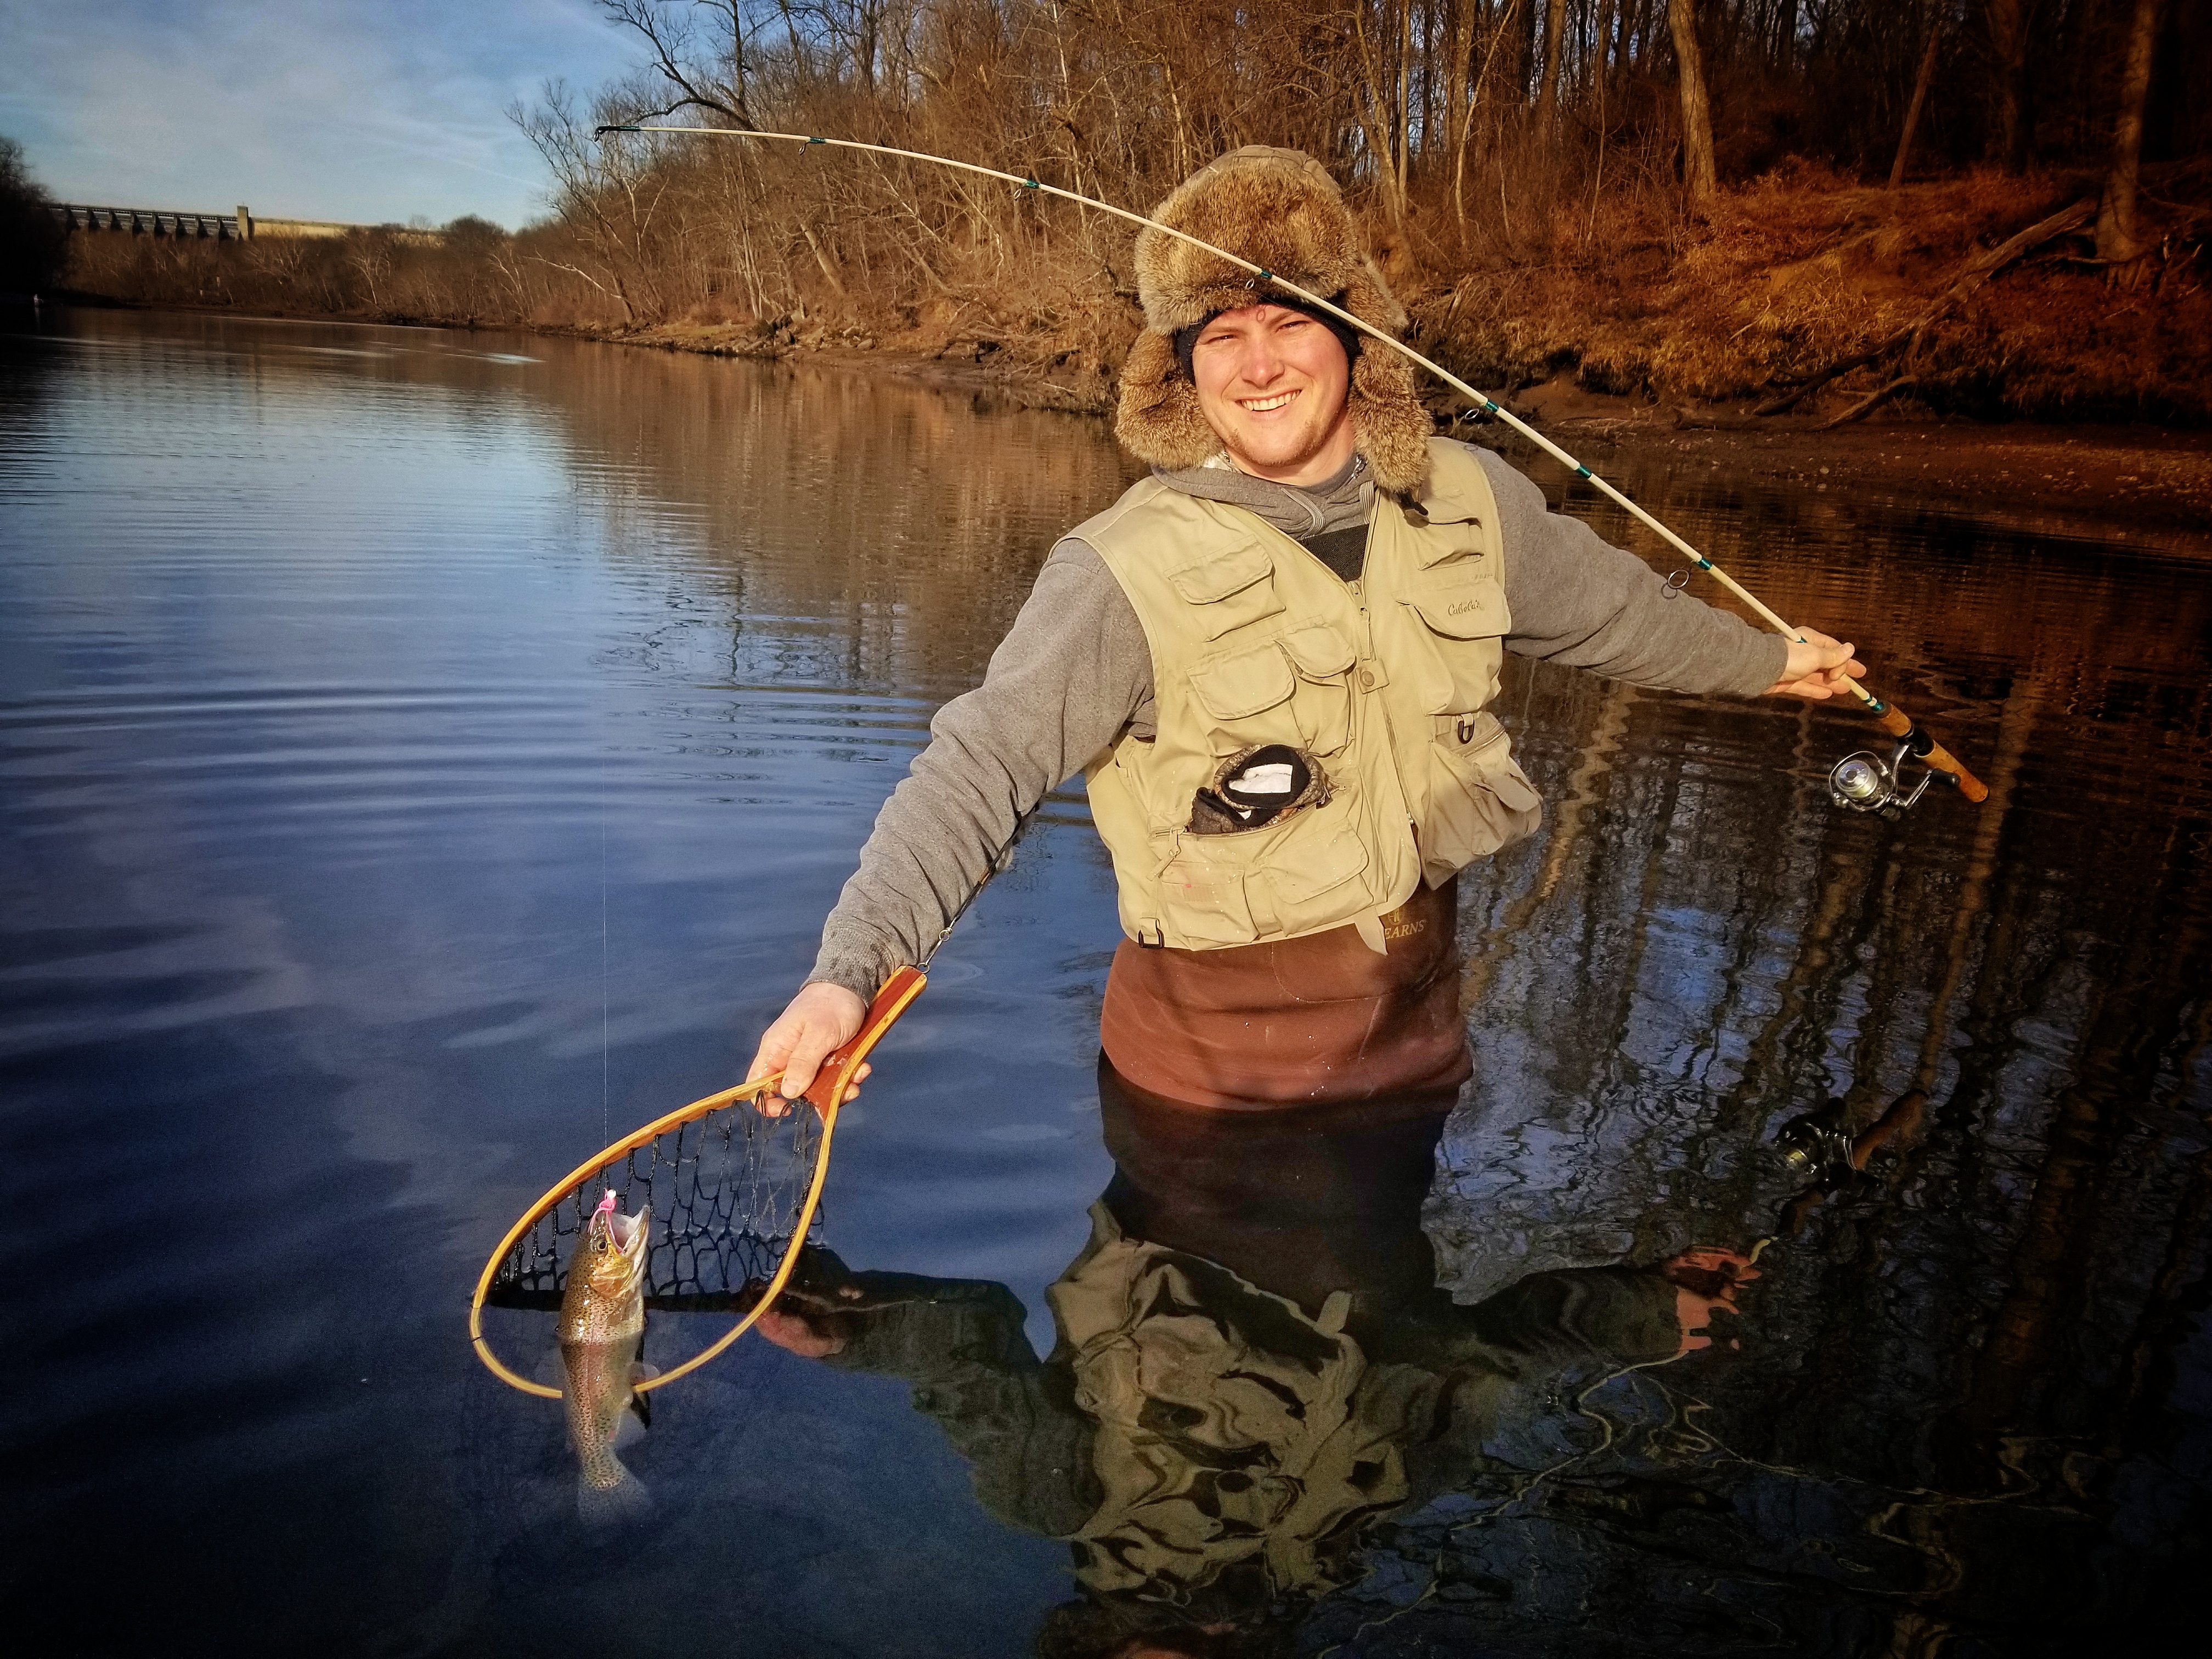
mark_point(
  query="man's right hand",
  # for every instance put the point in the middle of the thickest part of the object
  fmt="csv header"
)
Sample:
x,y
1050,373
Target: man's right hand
x,y
821,1018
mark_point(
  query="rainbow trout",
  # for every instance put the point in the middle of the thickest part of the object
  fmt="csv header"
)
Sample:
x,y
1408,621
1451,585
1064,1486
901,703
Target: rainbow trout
x,y
602,1330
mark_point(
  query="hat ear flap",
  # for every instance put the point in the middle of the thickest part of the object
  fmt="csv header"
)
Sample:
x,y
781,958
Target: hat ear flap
x,y
1159,419
1390,424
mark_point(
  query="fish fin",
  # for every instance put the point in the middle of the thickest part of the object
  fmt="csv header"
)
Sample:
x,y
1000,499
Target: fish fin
x,y
641,1404
625,1503
630,1427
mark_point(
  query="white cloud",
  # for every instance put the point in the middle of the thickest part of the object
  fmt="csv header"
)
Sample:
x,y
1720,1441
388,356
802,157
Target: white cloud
x,y
321,109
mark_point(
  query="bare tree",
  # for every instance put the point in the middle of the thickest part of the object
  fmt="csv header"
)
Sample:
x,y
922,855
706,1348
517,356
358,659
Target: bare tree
x,y
704,67
1547,93
607,193
2118,238
1919,100
2009,45
1697,172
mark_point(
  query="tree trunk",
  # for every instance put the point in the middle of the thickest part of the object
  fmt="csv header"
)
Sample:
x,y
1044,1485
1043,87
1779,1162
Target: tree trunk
x,y
2116,237
1697,109
1374,100
1404,103
1547,91
1459,98
2008,41
1919,97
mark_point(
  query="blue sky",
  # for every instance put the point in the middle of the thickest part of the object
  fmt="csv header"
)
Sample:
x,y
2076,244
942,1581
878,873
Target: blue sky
x,y
313,109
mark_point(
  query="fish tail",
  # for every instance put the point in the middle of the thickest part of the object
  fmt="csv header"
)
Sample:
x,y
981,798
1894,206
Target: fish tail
x,y
608,1494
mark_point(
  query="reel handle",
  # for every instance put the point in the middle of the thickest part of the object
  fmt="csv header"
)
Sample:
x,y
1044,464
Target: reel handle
x,y
1935,756
827,1090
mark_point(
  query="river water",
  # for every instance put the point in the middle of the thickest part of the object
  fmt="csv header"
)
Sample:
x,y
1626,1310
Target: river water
x,y
424,756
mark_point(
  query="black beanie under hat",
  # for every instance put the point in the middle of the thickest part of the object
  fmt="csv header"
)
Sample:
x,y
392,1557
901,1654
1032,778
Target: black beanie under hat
x,y
1186,339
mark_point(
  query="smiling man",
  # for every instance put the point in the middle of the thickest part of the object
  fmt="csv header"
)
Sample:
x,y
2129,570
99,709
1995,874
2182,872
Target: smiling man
x,y
1273,660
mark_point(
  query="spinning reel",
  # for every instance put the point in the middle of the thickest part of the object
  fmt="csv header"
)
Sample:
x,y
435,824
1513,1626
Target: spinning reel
x,y
1864,782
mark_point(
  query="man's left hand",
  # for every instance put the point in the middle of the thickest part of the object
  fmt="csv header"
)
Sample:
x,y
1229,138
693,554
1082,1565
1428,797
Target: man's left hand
x,y
1818,668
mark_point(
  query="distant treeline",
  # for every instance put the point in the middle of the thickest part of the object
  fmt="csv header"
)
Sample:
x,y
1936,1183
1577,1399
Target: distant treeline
x,y
1542,144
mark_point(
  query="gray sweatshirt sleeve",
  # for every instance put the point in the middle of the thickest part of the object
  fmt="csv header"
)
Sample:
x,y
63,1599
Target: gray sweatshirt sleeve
x,y
1579,601
1072,670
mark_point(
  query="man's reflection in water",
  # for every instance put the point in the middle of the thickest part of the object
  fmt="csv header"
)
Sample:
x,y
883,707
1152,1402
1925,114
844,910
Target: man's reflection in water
x,y
1254,1363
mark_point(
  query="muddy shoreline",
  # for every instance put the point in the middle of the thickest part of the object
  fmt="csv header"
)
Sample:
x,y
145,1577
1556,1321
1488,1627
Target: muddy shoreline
x,y
2148,485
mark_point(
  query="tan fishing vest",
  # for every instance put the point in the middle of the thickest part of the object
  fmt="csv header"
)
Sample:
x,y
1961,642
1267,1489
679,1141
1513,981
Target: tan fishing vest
x,y
1382,684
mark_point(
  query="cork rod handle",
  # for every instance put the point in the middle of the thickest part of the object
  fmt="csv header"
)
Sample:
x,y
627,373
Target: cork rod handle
x,y
1898,725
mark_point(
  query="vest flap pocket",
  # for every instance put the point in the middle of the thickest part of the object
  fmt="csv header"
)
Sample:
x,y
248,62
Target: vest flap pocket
x,y
1241,684
1462,609
1305,869
1318,651
1231,588
1463,542
1219,575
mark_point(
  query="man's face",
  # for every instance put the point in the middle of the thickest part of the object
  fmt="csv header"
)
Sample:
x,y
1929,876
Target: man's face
x,y
1273,384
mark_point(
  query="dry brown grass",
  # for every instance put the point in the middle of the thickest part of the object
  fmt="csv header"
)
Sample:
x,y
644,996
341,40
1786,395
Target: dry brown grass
x,y
1804,267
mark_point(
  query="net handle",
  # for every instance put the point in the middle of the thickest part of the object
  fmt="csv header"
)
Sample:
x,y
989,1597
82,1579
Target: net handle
x,y
898,992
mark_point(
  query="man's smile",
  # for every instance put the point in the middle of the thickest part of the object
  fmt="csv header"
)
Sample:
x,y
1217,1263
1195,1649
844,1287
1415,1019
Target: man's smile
x,y
1274,385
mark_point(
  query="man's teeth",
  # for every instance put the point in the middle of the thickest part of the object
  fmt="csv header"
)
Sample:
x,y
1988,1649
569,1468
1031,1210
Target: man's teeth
x,y
1261,405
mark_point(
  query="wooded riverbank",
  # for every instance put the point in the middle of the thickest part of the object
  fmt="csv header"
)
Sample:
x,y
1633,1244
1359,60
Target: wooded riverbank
x,y
1969,297
1753,215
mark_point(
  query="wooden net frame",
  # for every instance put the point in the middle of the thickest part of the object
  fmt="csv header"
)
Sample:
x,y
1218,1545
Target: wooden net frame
x,y
734,1195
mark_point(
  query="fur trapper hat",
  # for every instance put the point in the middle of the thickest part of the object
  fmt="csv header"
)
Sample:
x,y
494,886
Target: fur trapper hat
x,y
1281,210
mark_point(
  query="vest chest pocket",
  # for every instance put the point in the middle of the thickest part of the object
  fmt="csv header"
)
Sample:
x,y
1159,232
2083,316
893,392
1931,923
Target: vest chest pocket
x,y
1463,613
1229,589
1461,601
1234,890
1294,690
1239,687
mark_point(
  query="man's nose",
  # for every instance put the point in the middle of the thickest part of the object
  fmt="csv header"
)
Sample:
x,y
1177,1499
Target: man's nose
x,y
1262,363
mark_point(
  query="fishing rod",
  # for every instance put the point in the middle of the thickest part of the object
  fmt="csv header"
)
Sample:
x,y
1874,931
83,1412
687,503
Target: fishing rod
x,y
1864,782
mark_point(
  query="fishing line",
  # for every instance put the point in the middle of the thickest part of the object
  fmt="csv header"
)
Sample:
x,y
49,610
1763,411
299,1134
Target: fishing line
x,y
606,1119
1862,792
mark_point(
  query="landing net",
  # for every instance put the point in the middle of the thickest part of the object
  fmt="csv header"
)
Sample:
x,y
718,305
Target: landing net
x,y
735,1196
726,1192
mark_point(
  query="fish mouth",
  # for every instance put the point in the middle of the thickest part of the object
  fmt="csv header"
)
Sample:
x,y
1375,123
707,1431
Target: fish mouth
x,y
612,1233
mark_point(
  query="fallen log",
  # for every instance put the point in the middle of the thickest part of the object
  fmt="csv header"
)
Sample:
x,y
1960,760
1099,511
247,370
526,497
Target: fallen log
x,y
1971,278
1868,401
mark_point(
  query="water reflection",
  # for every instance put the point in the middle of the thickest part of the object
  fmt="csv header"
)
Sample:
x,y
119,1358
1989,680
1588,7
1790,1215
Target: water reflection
x,y
1266,1425
422,760
1254,1365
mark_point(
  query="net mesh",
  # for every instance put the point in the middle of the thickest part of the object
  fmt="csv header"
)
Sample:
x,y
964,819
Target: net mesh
x,y
725,1188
